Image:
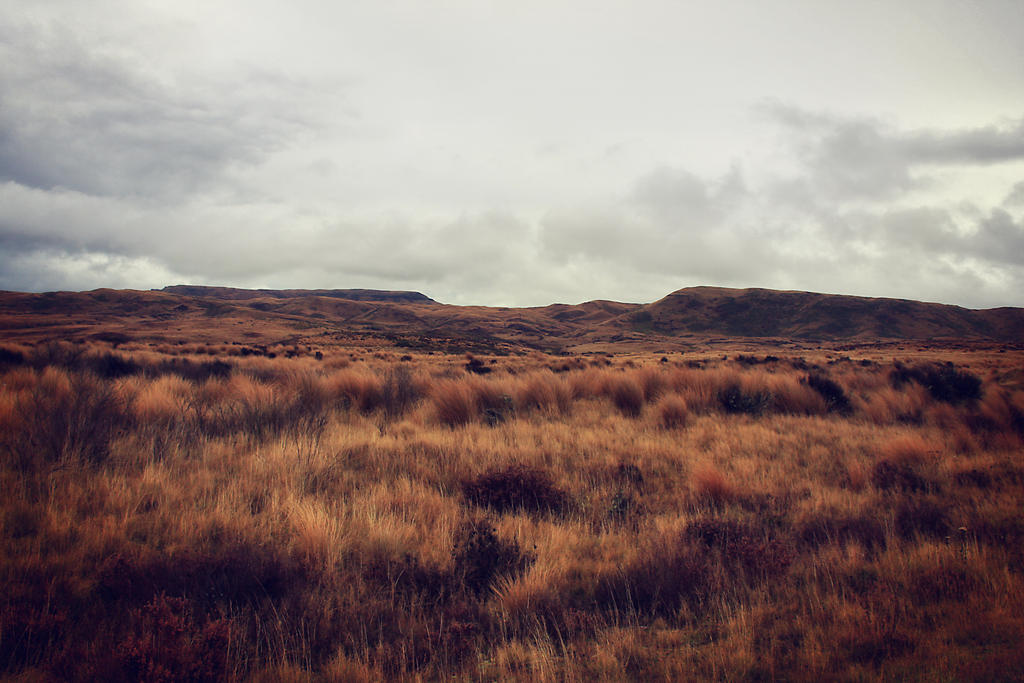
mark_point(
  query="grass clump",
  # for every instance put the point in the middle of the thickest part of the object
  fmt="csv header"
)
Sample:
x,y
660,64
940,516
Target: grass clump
x,y
836,400
480,557
944,382
736,399
672,411
627,396
514,488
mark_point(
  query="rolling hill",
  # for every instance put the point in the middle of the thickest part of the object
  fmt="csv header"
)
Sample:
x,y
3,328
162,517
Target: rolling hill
x,y
411,319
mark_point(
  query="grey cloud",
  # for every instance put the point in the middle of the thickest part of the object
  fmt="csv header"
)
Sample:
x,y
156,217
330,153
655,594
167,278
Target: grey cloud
x,y
863,158
53,269
857,160
999,238
98,118
675,194
256,243
671,223
987,145
1016,195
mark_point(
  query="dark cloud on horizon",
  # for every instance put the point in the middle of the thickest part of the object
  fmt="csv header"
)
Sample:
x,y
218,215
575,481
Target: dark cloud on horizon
x,y
85,118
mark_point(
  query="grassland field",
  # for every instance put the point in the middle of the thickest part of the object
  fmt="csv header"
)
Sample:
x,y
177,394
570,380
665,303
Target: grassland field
x,y
200,512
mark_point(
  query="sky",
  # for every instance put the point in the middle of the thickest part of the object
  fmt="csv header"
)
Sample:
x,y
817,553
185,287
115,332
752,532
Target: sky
x,y
515,153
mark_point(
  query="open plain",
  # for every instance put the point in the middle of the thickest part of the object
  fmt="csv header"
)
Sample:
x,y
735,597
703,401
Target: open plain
x,y
213,484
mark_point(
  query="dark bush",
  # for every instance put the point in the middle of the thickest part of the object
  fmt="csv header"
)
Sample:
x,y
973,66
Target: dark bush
x,y
171,643
479,556
58,355
237,573
974,477
29,631
197,372
398,392
922,516
630,473
10,358
898,475
744,547
112,366
734,400
843,529
475,365
624,506
516,487
69,425
944,382
113,338
628,396
658,583
944,582
835,398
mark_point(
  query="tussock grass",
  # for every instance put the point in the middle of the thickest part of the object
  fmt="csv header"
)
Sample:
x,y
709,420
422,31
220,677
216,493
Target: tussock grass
x,y
365,517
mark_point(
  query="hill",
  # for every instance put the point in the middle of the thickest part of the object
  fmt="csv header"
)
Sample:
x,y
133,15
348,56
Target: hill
x,y
185,313
806,315
235,294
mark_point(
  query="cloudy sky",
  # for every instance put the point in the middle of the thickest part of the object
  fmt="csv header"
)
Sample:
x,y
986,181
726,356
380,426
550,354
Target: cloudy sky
x,y
515,153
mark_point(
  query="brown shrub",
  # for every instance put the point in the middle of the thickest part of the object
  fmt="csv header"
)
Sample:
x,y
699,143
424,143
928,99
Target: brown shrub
x,y
68,418
399,391
626,395
921,516
665,575
901,463
652,381
672,412
514,488
740,398
899,475
170,643
744,548
824,527
544,392
358,389
588,383
479,557
708,484
836,400
455,402
791,396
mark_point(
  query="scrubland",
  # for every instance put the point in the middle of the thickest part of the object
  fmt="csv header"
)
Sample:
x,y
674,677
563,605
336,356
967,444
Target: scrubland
x,y
369,516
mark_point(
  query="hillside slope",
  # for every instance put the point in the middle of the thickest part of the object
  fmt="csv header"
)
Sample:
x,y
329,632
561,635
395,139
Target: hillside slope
x,y
222,314
236,294
807,315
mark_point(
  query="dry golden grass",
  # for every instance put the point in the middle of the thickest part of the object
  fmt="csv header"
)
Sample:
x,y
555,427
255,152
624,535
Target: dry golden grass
x,y
372,518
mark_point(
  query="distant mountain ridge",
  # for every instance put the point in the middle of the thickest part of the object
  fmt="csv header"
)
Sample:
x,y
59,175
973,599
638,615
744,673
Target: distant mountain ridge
x,y
238,294
679,320
808,315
